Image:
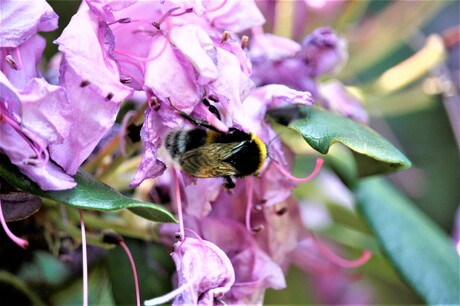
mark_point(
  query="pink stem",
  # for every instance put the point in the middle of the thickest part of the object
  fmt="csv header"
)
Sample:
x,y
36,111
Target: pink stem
x,y
249,192
179,204
213,120
133,267
319,164
344,263
19,57
19,241
85,259
218,7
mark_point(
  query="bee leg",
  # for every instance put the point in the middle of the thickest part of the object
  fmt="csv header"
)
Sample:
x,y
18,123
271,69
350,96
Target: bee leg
x,y
195,121
229,184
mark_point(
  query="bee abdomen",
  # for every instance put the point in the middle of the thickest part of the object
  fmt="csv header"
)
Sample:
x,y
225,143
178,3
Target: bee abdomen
x,y
179,142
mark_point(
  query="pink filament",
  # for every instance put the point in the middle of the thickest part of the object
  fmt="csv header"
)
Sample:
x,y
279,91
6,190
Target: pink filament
x,y
85,259
319,164
217,7
186,11
133,267
249,191
341,262
19,57
19,241
179,204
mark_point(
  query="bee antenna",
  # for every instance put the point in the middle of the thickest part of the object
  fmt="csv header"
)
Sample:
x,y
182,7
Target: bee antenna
x,y
172,105
268,146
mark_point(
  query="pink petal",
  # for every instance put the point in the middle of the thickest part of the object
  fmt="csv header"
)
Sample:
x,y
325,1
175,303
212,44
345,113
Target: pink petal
x,y
20,20
196,46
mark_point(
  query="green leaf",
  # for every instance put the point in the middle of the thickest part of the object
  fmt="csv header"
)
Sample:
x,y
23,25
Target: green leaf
x,y
321,129
419,250
89,193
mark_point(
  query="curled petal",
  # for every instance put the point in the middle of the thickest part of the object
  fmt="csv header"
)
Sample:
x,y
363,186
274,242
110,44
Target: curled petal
x,y
204,273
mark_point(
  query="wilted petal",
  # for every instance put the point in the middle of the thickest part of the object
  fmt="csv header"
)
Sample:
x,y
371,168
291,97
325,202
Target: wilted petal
x,y
20,20
153,131
150,166
324,52
205,268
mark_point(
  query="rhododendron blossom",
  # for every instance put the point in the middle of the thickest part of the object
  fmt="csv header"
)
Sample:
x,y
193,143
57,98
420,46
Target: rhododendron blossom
x,y
209,60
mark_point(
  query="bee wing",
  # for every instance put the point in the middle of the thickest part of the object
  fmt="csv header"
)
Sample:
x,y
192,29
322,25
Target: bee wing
x,y
209,160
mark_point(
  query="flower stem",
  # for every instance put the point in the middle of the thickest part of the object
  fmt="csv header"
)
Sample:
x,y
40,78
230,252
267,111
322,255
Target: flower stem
x,y
19,241
85,259
179,204
133,266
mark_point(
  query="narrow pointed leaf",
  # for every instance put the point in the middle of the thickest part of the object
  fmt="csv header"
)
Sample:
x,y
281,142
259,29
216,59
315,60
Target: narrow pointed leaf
x,y
89,193
321,129
417,247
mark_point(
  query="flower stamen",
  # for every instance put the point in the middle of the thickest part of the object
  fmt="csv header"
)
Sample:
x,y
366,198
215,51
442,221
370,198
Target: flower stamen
x,y
341,262
11,62
118,240
186,11
319,164
244,42
225,37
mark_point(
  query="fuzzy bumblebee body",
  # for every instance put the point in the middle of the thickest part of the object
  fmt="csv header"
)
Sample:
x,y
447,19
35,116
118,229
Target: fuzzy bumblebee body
x,y
208,153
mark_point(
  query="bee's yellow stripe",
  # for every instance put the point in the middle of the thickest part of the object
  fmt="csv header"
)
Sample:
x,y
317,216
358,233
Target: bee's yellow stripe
x,y
262,151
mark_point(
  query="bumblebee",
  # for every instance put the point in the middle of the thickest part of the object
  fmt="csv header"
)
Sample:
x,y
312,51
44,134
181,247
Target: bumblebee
x,y
205,152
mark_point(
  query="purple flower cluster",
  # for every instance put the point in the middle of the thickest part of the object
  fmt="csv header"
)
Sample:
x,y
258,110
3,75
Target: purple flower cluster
x,y
177,53
48,130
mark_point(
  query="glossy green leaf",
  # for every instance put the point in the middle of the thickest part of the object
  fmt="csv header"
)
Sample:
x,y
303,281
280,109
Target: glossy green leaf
x,y
89,193
418,249
321,129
